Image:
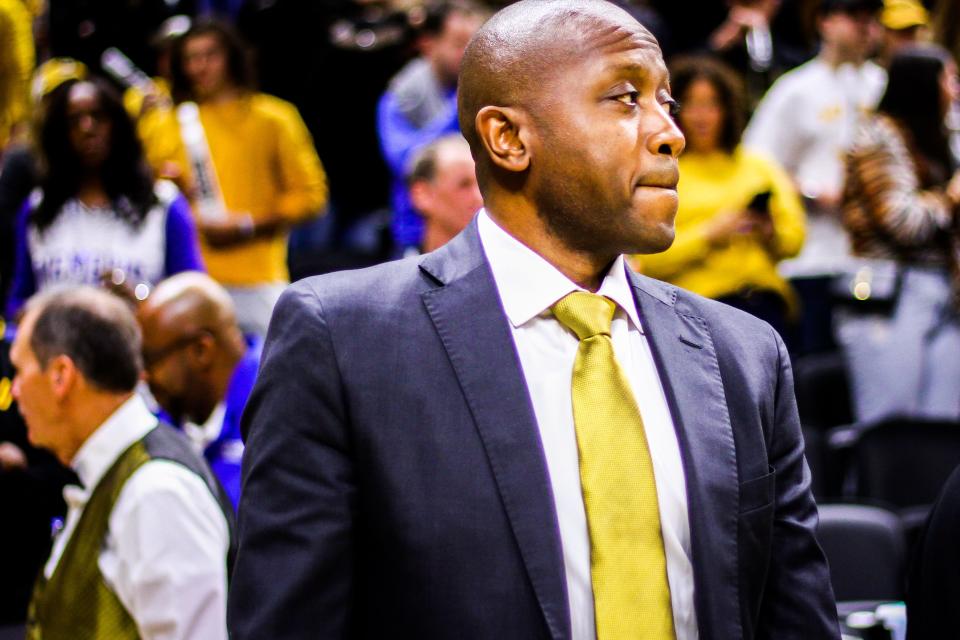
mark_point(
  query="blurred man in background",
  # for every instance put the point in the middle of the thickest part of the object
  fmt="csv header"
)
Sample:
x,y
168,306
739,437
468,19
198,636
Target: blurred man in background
x,y
443,189
806,122
420,105
199,367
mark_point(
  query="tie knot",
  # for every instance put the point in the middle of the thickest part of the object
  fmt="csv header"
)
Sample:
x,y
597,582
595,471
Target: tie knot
x,y
586,314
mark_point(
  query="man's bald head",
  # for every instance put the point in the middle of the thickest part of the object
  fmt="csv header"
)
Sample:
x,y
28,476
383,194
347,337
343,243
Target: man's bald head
x,y
191,301
191,344
566,105
511,59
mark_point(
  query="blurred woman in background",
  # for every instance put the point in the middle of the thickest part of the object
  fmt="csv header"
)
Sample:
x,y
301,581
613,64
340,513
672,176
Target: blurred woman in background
x,y
901,332
739,214
98,213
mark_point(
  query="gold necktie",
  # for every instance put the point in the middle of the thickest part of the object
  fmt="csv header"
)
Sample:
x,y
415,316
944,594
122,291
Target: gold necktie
x,y
627,562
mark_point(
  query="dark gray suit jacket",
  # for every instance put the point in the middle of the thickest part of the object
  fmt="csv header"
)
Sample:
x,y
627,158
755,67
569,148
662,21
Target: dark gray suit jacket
x,y
395,484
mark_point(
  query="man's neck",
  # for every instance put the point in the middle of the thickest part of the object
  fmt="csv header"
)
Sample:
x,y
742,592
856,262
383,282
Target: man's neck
x,y
88,416
585,269
833,57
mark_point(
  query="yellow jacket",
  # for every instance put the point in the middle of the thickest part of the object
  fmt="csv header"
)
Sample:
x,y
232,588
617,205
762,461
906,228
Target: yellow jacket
x,y
718,182
16,65
266,164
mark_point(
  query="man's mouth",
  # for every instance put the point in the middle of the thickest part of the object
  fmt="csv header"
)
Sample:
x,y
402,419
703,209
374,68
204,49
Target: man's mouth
x,y
662,180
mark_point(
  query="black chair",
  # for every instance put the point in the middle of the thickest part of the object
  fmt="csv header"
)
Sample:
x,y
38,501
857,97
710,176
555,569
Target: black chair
x,y
866,549
823,400
823,390
903,462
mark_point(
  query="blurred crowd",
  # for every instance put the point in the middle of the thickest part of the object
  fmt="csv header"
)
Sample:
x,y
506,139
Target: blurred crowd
x,y
192,157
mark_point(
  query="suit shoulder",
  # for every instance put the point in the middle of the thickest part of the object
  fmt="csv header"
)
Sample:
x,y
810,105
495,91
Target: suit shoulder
x,y
381,286
728,325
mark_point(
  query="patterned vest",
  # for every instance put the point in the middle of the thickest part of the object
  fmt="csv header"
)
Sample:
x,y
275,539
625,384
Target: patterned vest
x,y
76,601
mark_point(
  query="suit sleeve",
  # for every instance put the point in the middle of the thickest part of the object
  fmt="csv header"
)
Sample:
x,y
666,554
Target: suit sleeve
x,y
798,601
293,575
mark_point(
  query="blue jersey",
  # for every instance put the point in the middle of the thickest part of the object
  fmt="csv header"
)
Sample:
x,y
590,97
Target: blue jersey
x,y
225,453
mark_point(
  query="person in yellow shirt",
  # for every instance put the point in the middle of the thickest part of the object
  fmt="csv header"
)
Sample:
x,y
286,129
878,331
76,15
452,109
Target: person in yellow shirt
x,y
16,64
265,163
739,213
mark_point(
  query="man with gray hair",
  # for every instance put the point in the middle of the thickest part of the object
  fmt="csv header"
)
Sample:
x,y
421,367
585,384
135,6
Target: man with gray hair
x,y
443,190
143,553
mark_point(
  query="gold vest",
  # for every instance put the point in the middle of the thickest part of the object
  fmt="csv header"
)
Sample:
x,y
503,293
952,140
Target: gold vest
x,y
76,601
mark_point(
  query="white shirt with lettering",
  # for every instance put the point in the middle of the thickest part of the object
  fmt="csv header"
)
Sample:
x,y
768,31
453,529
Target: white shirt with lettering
x,y
806,122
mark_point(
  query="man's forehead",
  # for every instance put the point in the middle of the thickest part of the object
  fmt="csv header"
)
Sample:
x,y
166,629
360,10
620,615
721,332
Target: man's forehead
x,y
614,39
616,30
18,350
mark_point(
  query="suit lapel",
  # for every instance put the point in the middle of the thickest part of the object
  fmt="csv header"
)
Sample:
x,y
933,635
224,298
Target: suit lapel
x,y
470,321
687,362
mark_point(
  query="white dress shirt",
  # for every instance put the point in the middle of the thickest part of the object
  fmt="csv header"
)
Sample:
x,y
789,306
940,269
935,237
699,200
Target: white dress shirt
x,y
166,547
201,435
528,285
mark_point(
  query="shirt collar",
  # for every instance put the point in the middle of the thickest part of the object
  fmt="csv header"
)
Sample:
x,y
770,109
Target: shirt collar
x,y
201,435
129,423
529,285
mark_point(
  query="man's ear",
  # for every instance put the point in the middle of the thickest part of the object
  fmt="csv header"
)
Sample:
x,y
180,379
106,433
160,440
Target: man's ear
x,y
421,195
505,133
63,374
203,350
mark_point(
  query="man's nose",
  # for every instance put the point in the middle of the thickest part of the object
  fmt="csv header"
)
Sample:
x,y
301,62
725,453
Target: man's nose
x,y
667,139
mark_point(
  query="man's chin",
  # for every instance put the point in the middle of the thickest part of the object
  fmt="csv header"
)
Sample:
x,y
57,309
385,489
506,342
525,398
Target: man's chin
x,y
655,240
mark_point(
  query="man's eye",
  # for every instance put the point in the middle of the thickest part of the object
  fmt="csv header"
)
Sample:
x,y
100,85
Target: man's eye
x,y
630,98
673,108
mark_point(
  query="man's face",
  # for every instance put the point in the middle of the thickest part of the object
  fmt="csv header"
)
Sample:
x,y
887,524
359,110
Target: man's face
x,y
166,363
205,65
855,35
445,50
88,124
452,198
603,169
34,391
